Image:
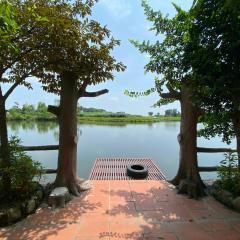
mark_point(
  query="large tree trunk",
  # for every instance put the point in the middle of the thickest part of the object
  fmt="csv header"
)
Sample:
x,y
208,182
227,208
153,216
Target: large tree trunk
x,y
67,158
4,147
236,122
188,178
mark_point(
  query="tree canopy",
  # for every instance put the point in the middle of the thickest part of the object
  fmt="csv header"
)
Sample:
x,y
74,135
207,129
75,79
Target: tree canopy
x,y
214,53
8,24
75,43
77,53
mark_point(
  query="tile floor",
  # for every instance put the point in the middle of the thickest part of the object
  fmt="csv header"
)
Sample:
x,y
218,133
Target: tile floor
x,y
123,209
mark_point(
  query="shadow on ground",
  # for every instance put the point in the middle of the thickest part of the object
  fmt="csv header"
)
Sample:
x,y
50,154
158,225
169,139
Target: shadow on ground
x,y
130,210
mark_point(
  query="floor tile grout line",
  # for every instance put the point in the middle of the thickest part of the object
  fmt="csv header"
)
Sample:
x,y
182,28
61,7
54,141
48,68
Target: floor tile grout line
x,y
109,209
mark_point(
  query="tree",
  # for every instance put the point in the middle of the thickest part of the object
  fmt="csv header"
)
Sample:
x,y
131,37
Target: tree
x,y
41,107
79,55
150,114
215,49
16,36
28,108
167,57
172,113
20,46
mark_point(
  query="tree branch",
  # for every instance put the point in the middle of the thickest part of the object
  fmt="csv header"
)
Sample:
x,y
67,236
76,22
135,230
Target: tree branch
x,y
54,110
11,89
94,94
1,91
82,89
167,95
20,56
175,94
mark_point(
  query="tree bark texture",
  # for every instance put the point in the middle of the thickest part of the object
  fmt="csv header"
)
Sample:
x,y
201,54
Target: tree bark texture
x,y
188,178
67,158
4,146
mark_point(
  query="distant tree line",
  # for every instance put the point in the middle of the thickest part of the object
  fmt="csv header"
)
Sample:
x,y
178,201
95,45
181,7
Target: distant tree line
x,y
172,113
29,111
168,113
40,112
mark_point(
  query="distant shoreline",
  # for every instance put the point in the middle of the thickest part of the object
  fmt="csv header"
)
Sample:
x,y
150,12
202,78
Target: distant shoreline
x,y
91,119
40,113
129,119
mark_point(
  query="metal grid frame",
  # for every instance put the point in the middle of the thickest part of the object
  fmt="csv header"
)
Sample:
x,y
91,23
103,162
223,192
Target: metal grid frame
x,y
115,169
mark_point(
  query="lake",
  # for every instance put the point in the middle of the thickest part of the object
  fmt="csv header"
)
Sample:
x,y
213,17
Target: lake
x,y
157,141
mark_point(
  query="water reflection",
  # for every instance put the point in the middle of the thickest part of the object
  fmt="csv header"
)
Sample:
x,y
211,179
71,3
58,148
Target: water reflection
x,y
40,126
172,125
157,141
46,126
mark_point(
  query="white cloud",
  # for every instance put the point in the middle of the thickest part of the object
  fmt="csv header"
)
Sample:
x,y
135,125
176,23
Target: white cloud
x,y
118,8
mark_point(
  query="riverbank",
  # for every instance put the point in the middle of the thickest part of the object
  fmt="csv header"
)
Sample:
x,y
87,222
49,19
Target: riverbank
x,y
86,115
128,119
100,119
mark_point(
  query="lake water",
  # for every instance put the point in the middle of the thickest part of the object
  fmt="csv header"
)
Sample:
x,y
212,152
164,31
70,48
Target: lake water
x,y
157,141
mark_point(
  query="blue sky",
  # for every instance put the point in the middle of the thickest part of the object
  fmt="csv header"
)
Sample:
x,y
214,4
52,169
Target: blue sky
x,y
126,20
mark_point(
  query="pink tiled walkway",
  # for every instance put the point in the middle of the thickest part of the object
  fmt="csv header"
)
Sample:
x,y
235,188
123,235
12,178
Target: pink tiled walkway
x,y
130,210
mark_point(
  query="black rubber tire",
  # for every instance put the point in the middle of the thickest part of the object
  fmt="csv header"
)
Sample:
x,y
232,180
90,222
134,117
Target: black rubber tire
x,y
137,171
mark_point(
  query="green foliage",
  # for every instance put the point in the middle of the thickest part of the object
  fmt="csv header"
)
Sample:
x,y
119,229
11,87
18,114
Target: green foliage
x,y
41,107
8,26
217,124
7,23
139,94
172,113
214,55
116,119
229,174
19,24
75,44
91,109
40,112
24,172
30,112
167,53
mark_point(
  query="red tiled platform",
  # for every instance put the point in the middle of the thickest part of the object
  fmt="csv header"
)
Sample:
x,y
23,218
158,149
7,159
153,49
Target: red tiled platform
x,y
130,210
115,169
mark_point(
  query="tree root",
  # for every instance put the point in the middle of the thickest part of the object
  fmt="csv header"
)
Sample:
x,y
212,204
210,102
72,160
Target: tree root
x,y
78,186
192,188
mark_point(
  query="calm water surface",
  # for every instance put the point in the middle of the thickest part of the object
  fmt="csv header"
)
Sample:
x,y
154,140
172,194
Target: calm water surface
x,y
157,141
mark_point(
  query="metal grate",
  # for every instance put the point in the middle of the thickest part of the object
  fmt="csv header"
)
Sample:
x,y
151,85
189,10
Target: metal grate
x,y
115,169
